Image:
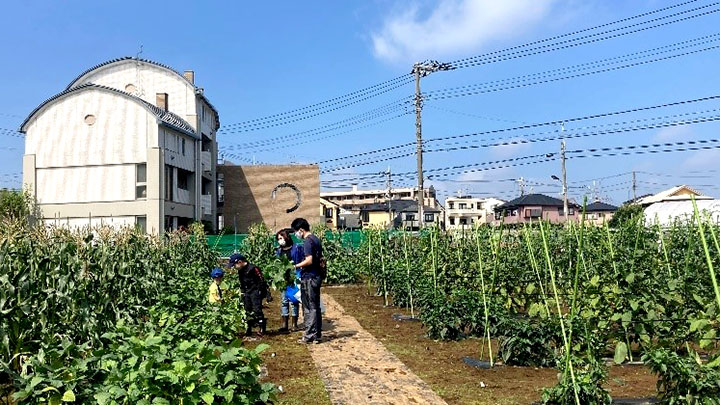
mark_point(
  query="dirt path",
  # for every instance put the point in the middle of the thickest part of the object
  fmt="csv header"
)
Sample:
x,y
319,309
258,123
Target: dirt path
x,y
357,369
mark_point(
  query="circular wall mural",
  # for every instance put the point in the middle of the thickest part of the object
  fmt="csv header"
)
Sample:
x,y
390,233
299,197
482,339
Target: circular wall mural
x,y
298,195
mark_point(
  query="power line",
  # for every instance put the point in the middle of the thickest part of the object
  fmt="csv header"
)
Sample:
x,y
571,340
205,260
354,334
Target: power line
x,y
573,72
583,40
316,109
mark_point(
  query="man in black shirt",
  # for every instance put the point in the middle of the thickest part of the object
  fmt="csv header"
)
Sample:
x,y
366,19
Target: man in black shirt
x,y
254,289
310,281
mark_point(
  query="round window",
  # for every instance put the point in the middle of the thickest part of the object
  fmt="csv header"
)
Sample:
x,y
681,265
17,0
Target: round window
x,y
130,88
90,119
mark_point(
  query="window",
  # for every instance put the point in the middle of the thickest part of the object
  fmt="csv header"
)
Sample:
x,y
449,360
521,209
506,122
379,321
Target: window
x,y
533,212
90,119
365,216
409,217
182,146
183,178
130,88
571,211
462,206
141,223
471,206
140,181
221,188
429,217
451,205
463,221
480,206
169,183
452,220
328,212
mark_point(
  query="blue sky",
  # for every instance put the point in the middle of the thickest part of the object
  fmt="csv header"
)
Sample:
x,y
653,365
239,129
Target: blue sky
x,y
256,59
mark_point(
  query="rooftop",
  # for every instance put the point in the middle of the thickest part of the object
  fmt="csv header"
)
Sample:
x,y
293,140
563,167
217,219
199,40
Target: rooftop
x,y
534,200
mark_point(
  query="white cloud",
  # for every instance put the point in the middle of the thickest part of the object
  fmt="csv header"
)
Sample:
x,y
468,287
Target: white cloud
x,y
669,134
705,159
455,26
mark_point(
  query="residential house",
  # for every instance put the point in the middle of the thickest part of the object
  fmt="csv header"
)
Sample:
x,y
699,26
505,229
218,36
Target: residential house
x,y
677,193
666,213
400,214
466,212
331,212
532,207
128,142
599,212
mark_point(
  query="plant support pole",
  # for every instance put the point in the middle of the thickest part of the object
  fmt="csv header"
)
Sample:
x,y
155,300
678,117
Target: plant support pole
x,y
482,284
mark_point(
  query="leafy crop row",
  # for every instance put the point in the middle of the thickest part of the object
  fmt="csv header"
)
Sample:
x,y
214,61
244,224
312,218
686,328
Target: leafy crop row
x,y
118,317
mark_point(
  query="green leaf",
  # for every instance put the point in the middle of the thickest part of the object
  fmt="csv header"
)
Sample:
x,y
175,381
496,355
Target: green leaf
x,y
190,387
630,278
35,381
621,351
68,396
634,305
595,281
261,348
102,397
208,397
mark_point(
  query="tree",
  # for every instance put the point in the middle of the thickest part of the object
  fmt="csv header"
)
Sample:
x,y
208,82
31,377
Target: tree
x,y
18,205
626,212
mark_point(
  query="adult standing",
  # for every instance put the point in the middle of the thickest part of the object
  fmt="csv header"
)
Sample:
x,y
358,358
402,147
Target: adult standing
x,y
310,280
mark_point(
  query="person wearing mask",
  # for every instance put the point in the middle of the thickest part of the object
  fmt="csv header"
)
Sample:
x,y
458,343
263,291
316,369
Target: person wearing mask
x,y
216,291
310,280
254,289
289,303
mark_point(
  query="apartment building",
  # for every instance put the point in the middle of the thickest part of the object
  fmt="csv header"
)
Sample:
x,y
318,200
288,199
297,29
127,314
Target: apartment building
x,y
354,200
466,212
128,142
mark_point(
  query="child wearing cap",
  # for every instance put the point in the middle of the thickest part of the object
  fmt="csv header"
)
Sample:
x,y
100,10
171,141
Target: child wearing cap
x,y
215,292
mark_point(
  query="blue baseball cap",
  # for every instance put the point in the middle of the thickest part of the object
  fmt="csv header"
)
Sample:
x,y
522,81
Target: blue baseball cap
x,y
217,272
237,257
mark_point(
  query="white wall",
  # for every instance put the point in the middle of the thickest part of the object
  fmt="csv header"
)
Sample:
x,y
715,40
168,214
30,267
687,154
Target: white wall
x,y
59,136
148,80
85,184
173,149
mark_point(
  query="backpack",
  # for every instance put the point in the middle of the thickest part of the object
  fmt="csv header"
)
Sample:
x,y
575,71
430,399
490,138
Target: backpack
x,y
323,268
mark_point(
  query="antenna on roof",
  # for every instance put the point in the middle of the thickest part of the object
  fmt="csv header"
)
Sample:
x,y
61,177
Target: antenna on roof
x,y
137,55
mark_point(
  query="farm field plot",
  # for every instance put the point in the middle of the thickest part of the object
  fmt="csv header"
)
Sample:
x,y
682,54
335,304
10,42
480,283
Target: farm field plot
x,y
440,363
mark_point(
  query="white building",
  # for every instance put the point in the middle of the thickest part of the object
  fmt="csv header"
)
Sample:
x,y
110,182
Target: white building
x,y
466,212
355,199
129,141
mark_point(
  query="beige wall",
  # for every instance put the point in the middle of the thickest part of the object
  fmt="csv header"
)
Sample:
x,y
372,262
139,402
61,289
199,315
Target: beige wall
x,y
248,191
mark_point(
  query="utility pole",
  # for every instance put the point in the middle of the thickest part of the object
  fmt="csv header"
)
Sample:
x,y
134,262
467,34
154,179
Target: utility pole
x,y
521,184
420,70
564,178
634,186
389,197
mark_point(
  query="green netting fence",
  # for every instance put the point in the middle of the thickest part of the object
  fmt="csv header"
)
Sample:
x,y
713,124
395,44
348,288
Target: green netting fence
x,y
225,245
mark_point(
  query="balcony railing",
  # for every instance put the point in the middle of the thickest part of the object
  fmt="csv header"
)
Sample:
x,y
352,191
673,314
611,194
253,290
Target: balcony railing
x,y
206,204
205,160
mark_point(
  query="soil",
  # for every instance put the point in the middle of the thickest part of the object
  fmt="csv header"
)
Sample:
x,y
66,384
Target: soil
x,y
358,369
289,364
440,364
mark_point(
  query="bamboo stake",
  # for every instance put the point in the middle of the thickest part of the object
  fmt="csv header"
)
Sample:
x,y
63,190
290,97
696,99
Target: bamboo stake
x,y
562,323
536,268
482,284
407,265
707,251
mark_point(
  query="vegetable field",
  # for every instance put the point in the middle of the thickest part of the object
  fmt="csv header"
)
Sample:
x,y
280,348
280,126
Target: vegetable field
x,y
118,317
573,297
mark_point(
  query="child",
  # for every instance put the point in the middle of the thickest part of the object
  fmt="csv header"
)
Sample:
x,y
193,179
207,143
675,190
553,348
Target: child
x,y
215,292
294,254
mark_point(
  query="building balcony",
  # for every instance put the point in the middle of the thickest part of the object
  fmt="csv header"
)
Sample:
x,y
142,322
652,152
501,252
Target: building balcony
x,y
206,204
205,161
182,196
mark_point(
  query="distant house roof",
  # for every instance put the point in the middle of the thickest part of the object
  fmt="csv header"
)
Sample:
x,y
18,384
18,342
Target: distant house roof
x,y
677,193
198,91
533,200
598,206
165,117
397,206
